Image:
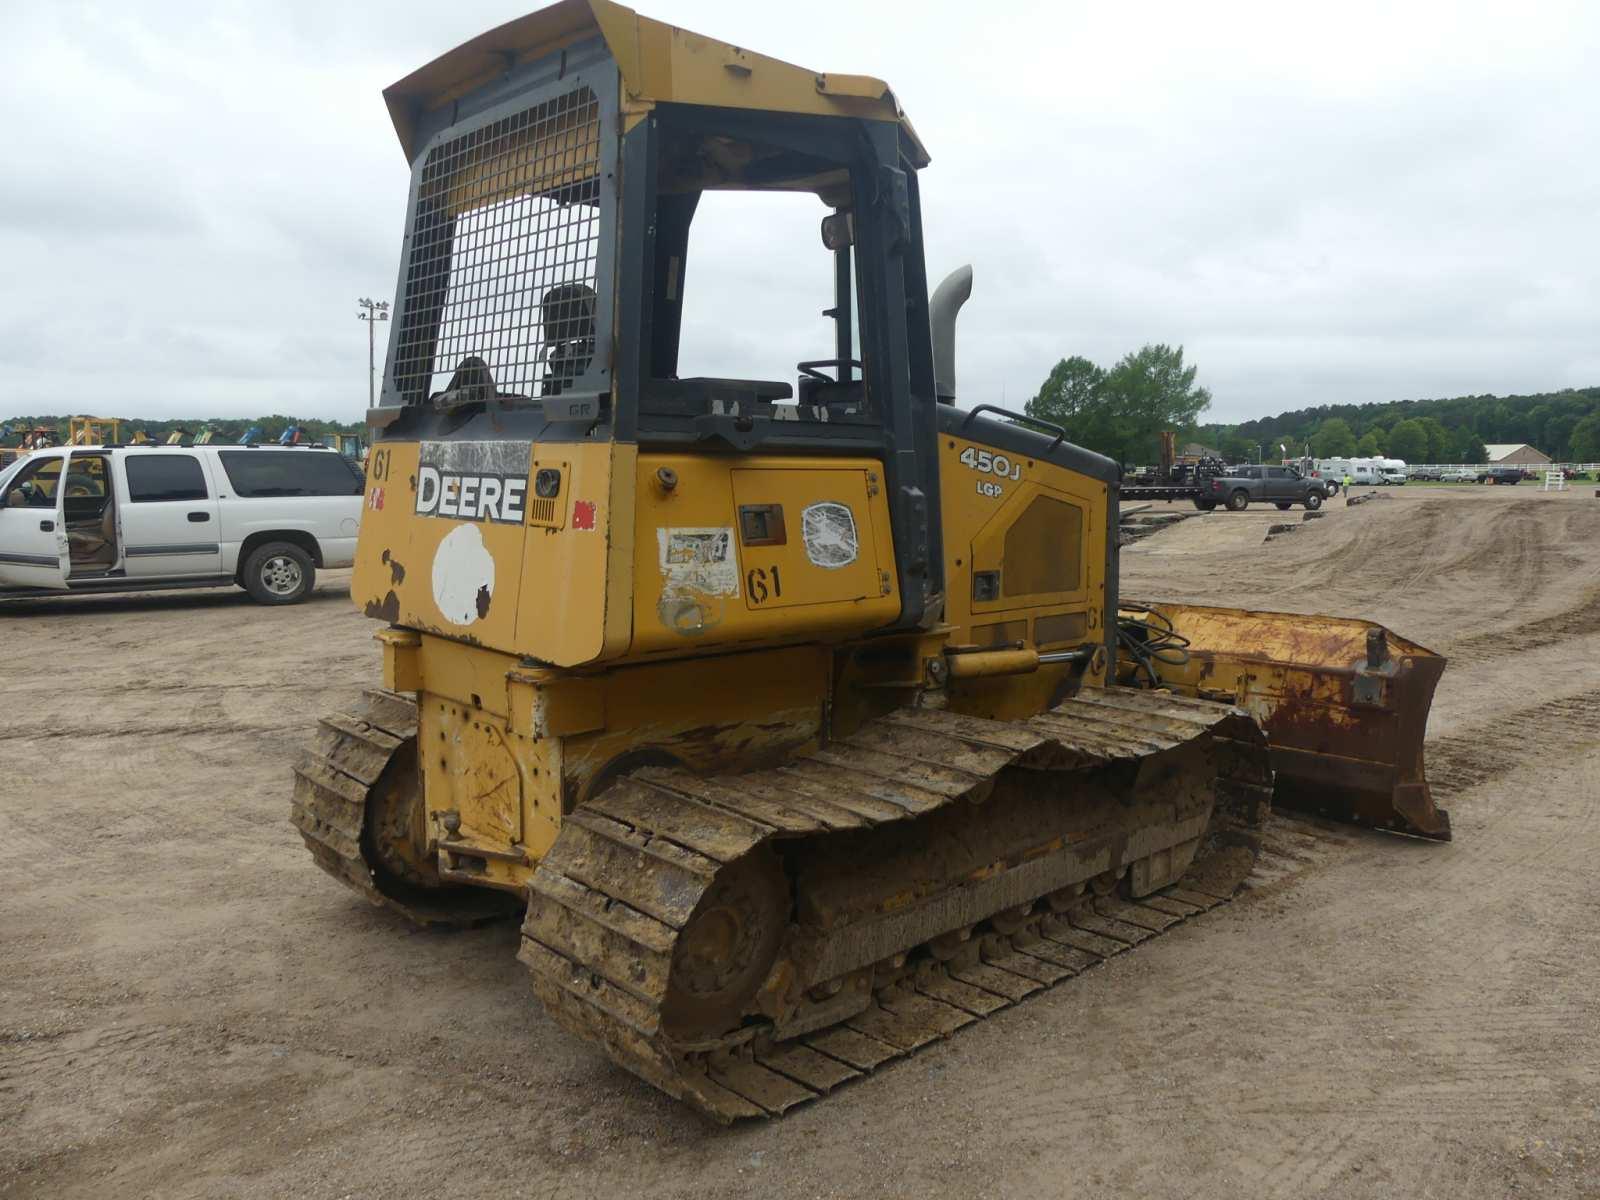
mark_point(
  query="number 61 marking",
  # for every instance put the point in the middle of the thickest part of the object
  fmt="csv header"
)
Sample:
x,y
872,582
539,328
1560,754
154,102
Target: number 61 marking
x,y
755,582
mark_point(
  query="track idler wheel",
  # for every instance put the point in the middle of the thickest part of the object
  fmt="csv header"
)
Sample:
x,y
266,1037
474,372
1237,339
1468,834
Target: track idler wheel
x,y
394,831
727,948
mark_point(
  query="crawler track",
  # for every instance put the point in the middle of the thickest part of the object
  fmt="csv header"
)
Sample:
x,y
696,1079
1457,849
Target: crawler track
x,y
633,869
882,972
333,785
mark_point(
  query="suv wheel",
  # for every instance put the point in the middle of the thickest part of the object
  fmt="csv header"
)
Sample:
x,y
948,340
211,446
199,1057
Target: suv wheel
x,y
1313,500
278,573
1238,500
1204,505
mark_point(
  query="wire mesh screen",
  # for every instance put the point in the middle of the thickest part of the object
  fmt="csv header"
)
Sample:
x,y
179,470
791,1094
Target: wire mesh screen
x,y
500,283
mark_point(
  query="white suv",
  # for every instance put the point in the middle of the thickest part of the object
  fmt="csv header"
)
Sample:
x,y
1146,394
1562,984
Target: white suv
x,y
137,518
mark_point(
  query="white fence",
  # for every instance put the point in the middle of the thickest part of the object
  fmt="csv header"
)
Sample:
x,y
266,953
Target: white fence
x,y
1536,468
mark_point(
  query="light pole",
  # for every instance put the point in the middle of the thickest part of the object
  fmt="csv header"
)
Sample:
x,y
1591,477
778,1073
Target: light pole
x,y
376,310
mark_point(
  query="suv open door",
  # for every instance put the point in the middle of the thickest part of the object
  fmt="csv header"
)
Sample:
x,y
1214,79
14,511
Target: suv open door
x,y
33,532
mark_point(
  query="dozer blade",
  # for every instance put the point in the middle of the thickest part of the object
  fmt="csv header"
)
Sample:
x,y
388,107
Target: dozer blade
x,y
1344,702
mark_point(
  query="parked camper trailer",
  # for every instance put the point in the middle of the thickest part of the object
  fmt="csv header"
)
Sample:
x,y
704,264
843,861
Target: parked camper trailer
x,y
1391,470
1359,471
1364,472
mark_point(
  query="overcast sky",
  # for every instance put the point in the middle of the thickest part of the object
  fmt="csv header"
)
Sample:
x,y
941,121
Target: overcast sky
x,y
1338,203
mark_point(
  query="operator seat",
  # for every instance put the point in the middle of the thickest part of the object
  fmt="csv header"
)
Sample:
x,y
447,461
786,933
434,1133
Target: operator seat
x,y
567,311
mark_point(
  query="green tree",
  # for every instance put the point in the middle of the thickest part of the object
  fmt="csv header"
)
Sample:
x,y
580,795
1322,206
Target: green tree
x,y
1070,390
1122,410
1536,427
1585,441
1408,441
1073,396
1469,448
1152,389
1333,439
1438,440
1235,447
1367,447
1558,436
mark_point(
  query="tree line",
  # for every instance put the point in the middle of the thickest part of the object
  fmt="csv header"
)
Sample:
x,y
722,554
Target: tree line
x,y
223,429
1122,410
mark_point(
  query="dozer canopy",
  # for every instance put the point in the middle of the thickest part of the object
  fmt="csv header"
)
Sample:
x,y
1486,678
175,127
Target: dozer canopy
x,y
655,62
557,165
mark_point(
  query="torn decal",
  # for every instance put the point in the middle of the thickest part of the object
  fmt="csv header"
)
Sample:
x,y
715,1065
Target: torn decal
x,y
583,514
375,499
829,532
463,576
474,481
699,574
700,559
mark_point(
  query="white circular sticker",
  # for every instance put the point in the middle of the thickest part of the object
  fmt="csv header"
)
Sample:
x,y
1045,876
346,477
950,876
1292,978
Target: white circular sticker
x,y
463,576
829,532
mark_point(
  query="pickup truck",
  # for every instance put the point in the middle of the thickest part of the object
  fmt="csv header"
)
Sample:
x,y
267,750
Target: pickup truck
x,y
1283,486
1500,474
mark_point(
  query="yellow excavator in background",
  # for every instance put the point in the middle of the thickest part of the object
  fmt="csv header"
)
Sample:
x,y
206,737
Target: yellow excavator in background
x,y
800,718
94,431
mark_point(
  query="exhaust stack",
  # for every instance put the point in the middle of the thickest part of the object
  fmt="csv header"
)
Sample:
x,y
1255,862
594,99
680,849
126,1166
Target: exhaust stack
x,y
942,309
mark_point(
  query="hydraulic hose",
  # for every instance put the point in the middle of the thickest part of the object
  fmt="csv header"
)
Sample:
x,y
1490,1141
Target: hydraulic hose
x,y
1150,640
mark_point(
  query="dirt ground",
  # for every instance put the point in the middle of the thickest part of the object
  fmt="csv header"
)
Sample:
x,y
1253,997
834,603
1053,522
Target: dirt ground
x,y
188,1008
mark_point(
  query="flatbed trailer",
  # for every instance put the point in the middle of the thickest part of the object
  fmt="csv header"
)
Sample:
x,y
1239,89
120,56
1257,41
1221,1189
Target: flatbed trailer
x,y
1160,491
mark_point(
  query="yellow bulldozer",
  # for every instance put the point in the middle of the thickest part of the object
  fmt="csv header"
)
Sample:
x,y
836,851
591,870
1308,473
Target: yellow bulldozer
x,y
800,718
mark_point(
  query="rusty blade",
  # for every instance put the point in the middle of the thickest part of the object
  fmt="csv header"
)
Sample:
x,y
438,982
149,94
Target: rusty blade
x,y
1344,704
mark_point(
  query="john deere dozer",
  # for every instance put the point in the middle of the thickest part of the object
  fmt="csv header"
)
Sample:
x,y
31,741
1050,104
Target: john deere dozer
x,y
798,717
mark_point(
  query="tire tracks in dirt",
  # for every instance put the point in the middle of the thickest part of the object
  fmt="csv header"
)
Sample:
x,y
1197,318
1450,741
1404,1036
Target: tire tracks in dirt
x,y
1580,621
1470,1040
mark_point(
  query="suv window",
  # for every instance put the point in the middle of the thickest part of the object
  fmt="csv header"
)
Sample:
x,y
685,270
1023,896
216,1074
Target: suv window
x,y
87,477
1278,472
261,473
43,474
158,477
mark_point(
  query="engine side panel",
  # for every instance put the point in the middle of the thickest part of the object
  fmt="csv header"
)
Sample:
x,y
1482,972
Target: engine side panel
x,y
734,550
1026,563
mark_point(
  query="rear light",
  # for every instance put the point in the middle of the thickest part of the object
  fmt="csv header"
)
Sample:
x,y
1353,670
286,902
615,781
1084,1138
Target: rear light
x,y
1216,485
